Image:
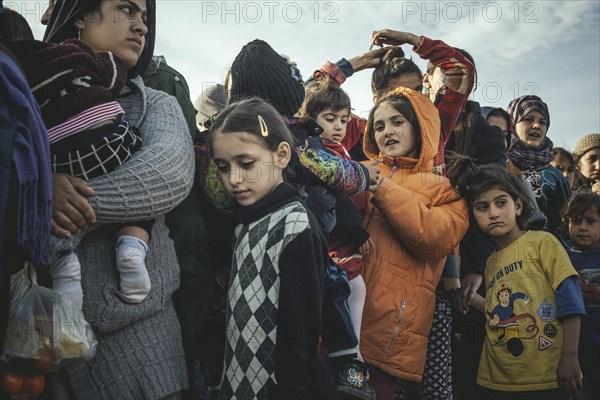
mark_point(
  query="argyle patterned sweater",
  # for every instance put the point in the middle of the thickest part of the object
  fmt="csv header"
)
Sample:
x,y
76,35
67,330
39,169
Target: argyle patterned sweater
x,y
274,302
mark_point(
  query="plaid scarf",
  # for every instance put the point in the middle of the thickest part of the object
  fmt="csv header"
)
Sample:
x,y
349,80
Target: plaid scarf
x,y
530,158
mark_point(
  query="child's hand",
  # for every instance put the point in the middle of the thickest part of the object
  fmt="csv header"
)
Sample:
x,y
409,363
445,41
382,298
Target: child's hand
x,y
374,175
478,303
366,247
596,188
469,284
569,373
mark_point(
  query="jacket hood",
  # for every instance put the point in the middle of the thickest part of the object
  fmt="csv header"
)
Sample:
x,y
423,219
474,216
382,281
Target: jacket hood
x,y
429,122
61,27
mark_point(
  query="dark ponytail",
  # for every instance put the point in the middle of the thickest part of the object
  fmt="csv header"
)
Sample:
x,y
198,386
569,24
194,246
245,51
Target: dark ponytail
x,y
470,181
462,172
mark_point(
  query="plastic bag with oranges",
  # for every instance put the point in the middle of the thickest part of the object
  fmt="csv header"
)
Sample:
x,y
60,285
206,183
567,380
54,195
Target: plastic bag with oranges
x,y
46,331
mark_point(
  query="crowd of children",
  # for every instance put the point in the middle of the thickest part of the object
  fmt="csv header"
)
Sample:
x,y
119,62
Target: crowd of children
x,y
351,254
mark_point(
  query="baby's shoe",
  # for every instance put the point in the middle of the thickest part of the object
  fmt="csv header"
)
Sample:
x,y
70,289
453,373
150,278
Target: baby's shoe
x,y
351,381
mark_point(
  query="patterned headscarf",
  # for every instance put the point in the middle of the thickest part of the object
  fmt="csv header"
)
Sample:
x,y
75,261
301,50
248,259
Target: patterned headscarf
x,y
518,108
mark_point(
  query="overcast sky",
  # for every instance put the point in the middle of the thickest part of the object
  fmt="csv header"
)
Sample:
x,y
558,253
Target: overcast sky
x,y
548,48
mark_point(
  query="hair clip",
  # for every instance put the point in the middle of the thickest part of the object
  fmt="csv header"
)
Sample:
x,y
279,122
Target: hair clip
x,y
264,130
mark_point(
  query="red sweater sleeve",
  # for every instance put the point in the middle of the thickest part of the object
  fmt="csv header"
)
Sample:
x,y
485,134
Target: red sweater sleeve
x,y
333,71
459,80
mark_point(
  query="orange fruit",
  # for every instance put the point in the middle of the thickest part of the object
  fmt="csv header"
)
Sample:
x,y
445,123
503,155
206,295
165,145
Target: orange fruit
x,y
33,385
43,364
12,382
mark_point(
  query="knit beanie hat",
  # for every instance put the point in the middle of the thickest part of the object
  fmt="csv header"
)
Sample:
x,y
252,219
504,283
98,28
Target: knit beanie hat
x,y
586,143
69,78
259,71
520,107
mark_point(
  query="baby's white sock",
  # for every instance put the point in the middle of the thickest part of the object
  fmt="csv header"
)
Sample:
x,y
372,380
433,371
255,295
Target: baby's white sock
x,y
66,278
135,282
356,303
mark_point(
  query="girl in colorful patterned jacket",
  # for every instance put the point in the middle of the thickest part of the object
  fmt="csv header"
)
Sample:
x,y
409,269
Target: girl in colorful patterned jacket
x,y
415,219
276,287
329,105
530,155
533,303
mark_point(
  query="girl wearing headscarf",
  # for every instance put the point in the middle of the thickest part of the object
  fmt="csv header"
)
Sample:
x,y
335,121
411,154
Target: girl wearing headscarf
x,y
530,155
139,353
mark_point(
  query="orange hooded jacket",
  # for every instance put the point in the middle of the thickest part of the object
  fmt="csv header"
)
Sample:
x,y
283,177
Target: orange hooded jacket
x,y
415,219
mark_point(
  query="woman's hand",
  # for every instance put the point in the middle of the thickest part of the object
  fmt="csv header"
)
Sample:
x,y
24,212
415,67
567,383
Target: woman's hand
x,y
596,188
370,59
394,38
72,212
469,284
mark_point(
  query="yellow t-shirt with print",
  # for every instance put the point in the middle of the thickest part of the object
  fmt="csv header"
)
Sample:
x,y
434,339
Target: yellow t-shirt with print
x,y
524,339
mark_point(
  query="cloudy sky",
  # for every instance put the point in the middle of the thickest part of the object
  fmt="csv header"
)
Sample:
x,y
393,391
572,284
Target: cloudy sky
x,y
548,48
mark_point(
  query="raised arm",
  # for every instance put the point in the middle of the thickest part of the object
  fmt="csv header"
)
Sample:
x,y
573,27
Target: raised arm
x,y
338,175
157,178
459,78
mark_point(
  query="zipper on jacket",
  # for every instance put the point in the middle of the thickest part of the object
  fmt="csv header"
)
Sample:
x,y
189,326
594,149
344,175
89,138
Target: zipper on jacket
x,y
397,325
393,170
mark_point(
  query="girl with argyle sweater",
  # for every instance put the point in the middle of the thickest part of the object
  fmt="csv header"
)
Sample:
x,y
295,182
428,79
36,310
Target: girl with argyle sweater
x,y
275,294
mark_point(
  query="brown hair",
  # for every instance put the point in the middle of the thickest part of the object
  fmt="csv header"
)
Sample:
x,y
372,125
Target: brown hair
x,y
321,95
401,104
243,116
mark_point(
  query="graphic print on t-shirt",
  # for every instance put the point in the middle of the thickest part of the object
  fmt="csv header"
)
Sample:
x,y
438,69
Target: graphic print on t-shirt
x,y
507,323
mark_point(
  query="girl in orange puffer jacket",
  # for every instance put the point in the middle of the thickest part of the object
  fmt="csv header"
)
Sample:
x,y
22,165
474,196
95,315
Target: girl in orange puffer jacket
x,y
415,219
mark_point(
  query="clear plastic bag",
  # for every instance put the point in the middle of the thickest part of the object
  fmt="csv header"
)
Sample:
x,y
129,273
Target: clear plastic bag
x,y
46,331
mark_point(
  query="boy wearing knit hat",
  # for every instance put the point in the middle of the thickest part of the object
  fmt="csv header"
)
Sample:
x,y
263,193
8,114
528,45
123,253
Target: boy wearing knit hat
x,y
76,90
587,160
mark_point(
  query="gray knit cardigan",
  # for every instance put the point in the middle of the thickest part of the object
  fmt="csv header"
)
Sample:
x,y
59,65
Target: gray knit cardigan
x,y
139,353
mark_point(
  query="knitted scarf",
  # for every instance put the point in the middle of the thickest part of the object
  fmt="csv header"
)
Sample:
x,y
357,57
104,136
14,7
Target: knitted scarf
x,y
31,160
526,158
